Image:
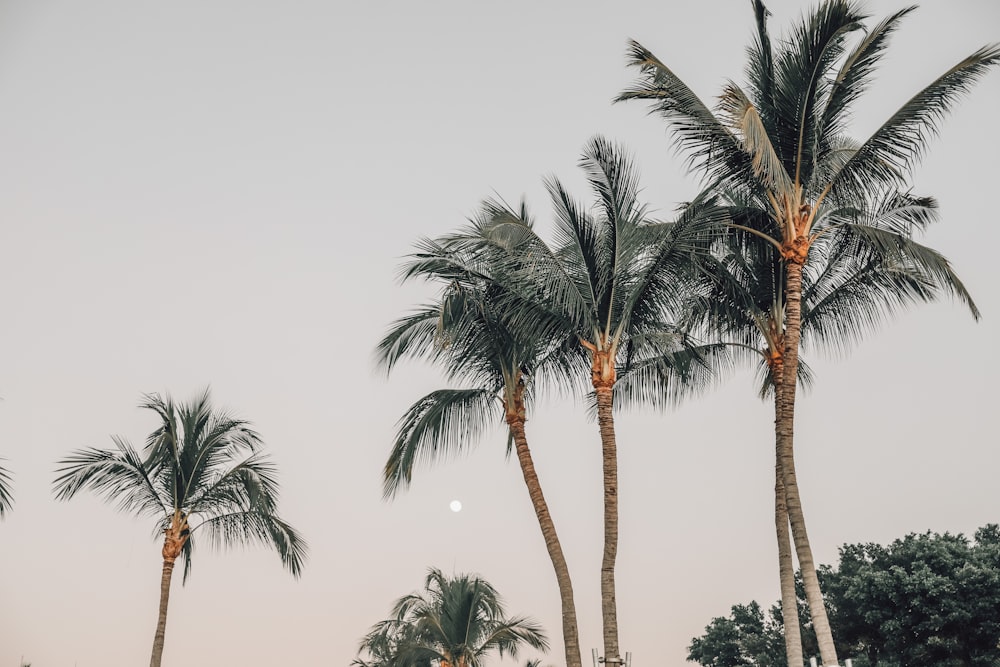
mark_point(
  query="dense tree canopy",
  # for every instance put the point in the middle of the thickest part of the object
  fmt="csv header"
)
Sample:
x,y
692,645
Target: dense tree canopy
x,y
926,600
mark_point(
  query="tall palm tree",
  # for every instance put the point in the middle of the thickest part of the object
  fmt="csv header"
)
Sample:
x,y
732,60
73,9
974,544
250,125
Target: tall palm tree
x,y
782,145
604,295
846,293
456,621
6,497
465,332
200,473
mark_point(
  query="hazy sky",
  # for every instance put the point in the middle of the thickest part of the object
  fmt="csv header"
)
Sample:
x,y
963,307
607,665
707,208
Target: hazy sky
x,y
220,192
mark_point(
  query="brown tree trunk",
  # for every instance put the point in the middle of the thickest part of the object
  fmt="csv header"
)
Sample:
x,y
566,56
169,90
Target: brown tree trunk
x,y
609,605
785,436
786,568
571,635
161,623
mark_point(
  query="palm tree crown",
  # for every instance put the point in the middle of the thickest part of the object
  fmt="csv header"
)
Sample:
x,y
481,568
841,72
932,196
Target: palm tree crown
x,y
456,621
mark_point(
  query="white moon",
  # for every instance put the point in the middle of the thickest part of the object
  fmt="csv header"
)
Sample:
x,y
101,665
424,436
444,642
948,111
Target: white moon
x,y
455,506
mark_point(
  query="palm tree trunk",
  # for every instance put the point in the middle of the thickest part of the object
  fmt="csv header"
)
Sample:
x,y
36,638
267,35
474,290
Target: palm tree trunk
x,y
786,573
609,447
786,568
571,635
785,435
161,623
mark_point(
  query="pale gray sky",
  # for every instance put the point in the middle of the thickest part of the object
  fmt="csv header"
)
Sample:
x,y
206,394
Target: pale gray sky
x,y
219,192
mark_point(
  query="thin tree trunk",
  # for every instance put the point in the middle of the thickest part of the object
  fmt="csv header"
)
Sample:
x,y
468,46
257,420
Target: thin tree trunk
x,y
786,573
609,605
161,623
785,435
571,635
786,568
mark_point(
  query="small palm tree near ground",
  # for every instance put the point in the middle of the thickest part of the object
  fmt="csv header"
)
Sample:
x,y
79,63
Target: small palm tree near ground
x,y
6,497
201,473
457,621
782,144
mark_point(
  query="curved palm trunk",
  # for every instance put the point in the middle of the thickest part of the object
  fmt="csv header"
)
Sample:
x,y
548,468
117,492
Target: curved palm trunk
x,y
161,623
786,574
784,436
571,635
609,447
786,568
173,543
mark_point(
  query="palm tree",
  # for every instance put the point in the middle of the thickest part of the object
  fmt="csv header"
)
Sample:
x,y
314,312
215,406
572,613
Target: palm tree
x,y
604,296
783,147
6,497
845,294
466,333
456,621
201,473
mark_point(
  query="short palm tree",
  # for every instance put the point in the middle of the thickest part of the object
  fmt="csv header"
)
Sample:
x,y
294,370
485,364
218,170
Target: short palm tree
x,y
782,146
6,497
201,473
457,621
465,332
605,296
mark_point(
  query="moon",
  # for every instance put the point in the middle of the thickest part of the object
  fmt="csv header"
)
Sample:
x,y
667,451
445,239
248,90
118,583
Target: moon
x,y
455,505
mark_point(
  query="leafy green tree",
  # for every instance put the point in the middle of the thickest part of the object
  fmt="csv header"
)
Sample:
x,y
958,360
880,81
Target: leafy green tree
x,y
6,497
925,600
605,296
747,638
466,334
457,621
200,473
782,146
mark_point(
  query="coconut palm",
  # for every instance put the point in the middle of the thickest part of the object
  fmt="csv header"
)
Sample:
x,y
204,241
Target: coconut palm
x,y
6,497
465,332
845,294
456,621
604,296
201,473
782,144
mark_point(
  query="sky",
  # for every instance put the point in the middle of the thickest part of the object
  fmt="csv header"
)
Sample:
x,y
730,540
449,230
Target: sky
x,y
219,193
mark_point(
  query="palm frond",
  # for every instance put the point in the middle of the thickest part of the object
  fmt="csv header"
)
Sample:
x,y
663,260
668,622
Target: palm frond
x,y
255,526
891,151
710,147
6,497
117,475
442,423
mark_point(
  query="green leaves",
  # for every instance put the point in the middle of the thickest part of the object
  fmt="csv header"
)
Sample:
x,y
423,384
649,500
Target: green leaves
x,y
6,498
460,620
199,464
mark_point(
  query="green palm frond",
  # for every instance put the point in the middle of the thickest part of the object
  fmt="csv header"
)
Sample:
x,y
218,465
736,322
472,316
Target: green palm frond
x,y
854,78
802,79
710,147
6,497
887,156
118,475
417,335
442,423
256,526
